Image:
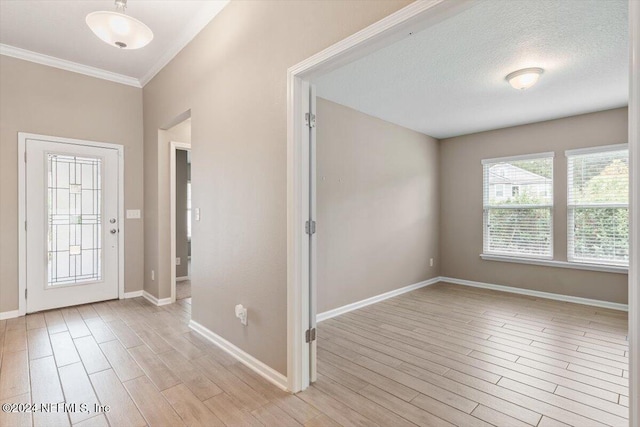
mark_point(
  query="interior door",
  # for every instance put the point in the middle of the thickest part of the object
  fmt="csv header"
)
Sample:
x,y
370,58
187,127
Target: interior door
x,y
72,224
313,292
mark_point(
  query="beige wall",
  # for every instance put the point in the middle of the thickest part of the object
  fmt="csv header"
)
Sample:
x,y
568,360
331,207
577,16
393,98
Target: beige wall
x,y
44,100
182,238
233,78
461,203
378,206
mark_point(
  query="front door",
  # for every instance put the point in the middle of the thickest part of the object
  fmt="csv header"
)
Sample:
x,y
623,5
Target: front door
x,y
71,224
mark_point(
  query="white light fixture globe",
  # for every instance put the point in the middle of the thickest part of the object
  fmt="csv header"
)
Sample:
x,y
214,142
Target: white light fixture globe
x,y
525,78
119,30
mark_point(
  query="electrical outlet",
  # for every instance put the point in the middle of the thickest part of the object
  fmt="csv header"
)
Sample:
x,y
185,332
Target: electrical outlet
x,y
178,261
196,214
430,262
241,313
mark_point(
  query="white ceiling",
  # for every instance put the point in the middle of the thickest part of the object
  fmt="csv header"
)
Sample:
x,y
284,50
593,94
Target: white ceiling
x,y
449,79
57,28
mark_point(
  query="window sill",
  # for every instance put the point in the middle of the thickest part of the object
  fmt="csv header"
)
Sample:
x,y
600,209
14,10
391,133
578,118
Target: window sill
x,y
559,264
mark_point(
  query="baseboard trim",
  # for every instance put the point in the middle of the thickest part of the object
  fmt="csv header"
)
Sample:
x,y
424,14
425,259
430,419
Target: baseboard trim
x,y
9,314
183,278
372,300
155,301
245,358
133,294
539,294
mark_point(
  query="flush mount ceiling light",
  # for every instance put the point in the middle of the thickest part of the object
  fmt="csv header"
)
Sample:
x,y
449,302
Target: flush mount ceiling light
x,y
525,78
119,30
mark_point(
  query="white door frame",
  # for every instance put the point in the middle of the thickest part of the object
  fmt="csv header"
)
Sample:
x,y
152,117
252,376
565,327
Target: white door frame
x,y
634,213
22,208
416,16
173,149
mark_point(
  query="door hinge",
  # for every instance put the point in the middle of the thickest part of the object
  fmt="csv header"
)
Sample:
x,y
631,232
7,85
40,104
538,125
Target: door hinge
x,y
310,335
310,120
25,293
25,157
310,227
25,226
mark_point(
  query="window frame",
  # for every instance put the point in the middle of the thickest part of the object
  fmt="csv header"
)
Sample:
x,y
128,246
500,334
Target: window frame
x,y
571,207
486,252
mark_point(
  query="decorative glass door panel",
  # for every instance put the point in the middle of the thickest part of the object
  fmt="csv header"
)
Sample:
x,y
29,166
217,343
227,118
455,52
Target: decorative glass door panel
x,y
74,219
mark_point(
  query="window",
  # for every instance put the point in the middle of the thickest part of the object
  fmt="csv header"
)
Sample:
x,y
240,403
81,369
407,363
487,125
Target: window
x,y
520,222
598,205
499,190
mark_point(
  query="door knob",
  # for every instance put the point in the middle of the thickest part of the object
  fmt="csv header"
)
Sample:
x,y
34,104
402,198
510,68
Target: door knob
x,y
114,231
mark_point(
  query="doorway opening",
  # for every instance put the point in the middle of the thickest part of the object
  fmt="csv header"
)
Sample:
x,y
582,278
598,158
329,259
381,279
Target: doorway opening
x,y
181,214
182,220
302,177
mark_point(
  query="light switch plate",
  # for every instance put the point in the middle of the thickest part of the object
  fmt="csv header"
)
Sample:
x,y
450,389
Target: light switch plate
x,y
133,213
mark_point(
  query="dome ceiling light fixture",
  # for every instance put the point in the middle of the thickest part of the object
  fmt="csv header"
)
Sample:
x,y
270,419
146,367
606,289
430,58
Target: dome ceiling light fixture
x,y
119,30
524,78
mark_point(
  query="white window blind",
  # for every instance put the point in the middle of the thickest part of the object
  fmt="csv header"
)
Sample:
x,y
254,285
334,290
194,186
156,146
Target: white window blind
x,y
598,205
518,216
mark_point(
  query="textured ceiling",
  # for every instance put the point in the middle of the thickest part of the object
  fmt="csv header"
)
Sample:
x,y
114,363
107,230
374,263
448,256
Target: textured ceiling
x,y
449,79
57,28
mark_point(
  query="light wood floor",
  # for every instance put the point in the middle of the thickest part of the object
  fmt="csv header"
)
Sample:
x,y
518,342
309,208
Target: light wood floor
x,y
183,289
449,354
443,355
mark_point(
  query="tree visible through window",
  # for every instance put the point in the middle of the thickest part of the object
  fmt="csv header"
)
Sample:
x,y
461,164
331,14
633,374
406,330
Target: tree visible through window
x,y
598,205
518,221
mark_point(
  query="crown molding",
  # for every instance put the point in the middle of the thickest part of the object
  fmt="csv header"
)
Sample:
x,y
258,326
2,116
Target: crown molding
x,y
208,12
63,64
